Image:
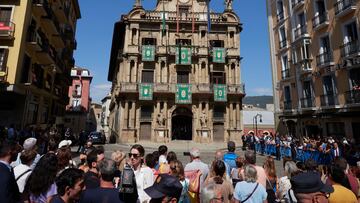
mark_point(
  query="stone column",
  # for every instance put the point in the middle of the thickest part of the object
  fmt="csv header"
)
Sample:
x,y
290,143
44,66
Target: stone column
x,y
127,70
132,115
207,76
158,71
126,115
238,115
230,74
237,72
165,112
137,122
207,110
232,117
127,38
134,72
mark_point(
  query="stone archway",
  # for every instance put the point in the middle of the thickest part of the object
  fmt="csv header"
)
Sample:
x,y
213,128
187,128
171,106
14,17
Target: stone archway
x,y
181,124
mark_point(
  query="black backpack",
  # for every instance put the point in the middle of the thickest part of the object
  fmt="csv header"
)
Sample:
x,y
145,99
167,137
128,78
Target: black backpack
x,y
127,188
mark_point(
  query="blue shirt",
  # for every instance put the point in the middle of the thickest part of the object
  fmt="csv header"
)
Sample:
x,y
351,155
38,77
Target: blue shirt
x,y
243,190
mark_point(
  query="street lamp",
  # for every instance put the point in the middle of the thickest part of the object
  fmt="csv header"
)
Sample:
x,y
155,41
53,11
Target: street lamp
x,y
255,119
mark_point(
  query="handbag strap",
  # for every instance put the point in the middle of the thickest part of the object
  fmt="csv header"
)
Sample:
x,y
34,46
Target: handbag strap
x,y
21,175
257,184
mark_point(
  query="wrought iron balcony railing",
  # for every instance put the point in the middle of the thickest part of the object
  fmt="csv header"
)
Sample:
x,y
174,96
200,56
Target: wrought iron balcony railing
x,y
320,19
307,102
324,58
350,48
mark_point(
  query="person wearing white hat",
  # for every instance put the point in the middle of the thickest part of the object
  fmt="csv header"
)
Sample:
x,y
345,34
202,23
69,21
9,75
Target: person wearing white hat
x,y
29,144
65,143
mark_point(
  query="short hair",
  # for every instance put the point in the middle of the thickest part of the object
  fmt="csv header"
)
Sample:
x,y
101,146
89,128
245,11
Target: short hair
x,y
195,152
107,168
219,168
68,178
27,156
250,174
162,149
231,146
140,148
150,160
91,158
341,162
290,169
337,174
64,156
208,192
250,157
156,155
171,156
310,165
7,146
118,156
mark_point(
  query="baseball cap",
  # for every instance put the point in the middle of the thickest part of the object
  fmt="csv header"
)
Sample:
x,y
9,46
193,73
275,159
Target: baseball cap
x,y
309,182
29,143
64,143
165,185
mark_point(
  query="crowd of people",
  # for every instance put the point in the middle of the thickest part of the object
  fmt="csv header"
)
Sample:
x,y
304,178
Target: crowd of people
x,y
322,150
51,175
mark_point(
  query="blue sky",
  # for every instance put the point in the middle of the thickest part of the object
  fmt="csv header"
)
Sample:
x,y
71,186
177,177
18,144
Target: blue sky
x,y
95,30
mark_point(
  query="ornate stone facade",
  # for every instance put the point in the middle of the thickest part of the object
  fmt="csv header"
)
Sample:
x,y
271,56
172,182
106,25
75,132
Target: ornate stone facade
x,y
174,76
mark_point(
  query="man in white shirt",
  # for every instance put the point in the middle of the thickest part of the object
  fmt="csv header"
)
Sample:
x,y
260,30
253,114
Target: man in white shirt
x,y
23,170
29,144
197,164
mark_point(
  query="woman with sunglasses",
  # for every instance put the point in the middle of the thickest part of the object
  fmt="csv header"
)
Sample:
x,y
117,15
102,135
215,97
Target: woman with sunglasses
x,y
143,175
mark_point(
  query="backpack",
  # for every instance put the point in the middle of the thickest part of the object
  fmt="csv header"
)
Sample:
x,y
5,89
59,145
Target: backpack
x,y
229,159
128,190
194,184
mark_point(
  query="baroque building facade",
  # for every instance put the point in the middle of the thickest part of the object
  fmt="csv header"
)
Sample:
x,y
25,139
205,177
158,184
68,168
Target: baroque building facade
x,y
175,74
37,40
315,66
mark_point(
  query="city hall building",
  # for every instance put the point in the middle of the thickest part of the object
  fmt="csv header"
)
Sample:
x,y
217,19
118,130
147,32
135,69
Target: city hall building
x,y
175,74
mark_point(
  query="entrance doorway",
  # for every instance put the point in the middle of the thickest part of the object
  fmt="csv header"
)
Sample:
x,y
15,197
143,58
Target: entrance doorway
x,y
181,124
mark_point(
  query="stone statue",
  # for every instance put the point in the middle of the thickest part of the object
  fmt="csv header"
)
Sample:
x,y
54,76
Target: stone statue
x,y
161,119
203,119
228,4
137,3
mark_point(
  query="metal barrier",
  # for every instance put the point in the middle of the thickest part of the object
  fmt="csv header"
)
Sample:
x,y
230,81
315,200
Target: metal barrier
x,y
301,155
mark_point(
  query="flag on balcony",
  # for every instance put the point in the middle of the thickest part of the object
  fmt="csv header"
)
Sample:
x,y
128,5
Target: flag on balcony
x,y
148,53
208,16
183,56
183,94
220,93
146,91
219,55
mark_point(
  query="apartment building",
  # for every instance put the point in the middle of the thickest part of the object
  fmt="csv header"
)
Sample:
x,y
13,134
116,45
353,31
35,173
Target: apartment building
x,y
175,74
37,39
316,66
79,99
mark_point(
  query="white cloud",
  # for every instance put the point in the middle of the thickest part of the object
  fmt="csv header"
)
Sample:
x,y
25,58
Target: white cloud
x,y
261,91
106,86
99,91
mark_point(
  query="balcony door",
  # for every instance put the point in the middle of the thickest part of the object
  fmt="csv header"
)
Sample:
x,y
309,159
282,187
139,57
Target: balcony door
x,y
218,78
147,76
320,8
350,32
307,89
329,89
183,77
324,44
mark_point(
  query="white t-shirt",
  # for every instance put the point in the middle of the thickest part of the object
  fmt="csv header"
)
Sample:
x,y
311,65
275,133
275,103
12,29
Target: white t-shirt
x,y
144,179
18,170
162,159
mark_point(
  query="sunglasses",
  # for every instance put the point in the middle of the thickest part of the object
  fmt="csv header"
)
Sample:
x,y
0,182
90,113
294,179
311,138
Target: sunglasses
x,y
134,155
